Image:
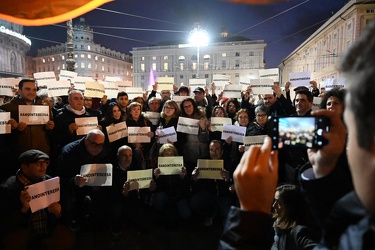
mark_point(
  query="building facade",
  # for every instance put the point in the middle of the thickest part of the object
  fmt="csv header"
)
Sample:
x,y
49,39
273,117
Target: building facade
x,y
321,52
235,57
92,60
13,49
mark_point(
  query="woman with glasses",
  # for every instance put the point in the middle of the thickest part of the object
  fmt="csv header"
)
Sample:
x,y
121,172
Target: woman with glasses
x,y
259,126
217,111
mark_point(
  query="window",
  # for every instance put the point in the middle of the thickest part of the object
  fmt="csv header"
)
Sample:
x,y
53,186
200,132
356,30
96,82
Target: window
x,y
142,77
165,68
142,67
237,53
237,64
82,46
205,75
96,58
194,76
89,65
154,66
63,57
237,75
223,54
181,76
165,57
63,66
102,68
349,26
194,66
43,60
142,58
154,58
53,59
223,64
75,56
82,55
103,59
96,66
251,53
108,70
88,46
82,65
89,56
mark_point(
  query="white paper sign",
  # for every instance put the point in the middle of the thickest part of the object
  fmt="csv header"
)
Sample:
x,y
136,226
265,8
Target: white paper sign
x,y
217,123
210,169
221,80
58,88
195,83
111,89
139,179
122,85
232,91
244,82
153,117
261,86
134,92
331,83
66,75
33,114
94,89
85,124
166,135
269,74
237,132
5,128
6,86
170,165
253,140
80,82
112,79
188,126
117,131
165,83
138,134
178,99
43,78
97,174
316,103
44,194
300,79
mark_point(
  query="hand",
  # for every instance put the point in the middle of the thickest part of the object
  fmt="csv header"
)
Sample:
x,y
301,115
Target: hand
x,y
206,91
99,127
220,96
25,198
145,94
125,188
79,180
155,86
225,175
13,123
229,140
72,127
241,148
157,173
255,178
277,90
55,208
152,185
203,122
213,87
287,85
150,134
175,88
183,172
50,125
21,126
195,174
324,159
104,99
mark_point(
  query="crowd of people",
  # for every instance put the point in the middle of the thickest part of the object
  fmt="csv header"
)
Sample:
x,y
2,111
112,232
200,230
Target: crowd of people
x,y
34,153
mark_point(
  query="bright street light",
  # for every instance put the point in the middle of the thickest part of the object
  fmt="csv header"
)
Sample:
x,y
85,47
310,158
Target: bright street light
x,y
198,37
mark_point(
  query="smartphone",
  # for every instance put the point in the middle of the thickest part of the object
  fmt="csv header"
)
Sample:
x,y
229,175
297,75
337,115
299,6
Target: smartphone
x,y
300,132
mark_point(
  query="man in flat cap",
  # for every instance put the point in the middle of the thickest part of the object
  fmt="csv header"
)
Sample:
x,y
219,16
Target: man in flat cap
x,y
23,229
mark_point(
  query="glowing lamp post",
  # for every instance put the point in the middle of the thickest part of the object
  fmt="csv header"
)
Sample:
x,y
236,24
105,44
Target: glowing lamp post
x,y
198,37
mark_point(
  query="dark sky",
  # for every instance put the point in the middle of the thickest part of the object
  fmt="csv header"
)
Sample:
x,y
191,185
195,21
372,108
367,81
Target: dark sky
x,y
282,26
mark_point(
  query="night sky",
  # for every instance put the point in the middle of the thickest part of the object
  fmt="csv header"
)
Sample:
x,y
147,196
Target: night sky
x,y
282,26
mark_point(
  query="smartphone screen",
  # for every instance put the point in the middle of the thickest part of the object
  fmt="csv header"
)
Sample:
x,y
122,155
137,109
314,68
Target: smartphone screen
x,y
301,132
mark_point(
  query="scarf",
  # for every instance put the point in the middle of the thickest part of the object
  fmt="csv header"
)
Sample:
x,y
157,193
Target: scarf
x,y
38,219
77,112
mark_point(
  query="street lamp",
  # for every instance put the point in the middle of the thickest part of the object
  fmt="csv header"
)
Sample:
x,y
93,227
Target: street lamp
x,y
198,37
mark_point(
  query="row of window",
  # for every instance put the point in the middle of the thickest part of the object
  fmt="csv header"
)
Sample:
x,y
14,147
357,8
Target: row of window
x,y
82,66
194,57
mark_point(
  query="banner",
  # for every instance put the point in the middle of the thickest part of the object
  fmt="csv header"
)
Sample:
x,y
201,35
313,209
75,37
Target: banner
x,y
138,134
210,169
43,78
97,174
85,124
33,114
217,123
261,86
300,79
112,79
122,85
117,131
80,82
170,165
94,89
178,99
7,85
134,92
139,179
67,76
244,82
111,89
44,194
269,74
195,83
331,83
237,132
253,140
221,80
188,125
153,117
5,128
58,88
165,83
232,91
166,135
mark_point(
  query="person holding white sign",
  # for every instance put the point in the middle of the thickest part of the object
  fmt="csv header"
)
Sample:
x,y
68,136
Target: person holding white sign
x,y
193,147
165,95
171,195
37,229
127,206
334,100
135,118
28,136
278,105
213,196
203,100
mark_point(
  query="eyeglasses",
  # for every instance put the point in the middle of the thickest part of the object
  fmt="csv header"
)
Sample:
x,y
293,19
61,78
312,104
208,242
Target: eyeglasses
x,y
262,115
187,106
40,163
166,107
95,145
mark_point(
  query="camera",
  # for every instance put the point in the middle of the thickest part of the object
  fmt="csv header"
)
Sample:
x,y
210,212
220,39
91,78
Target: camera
x,y
300,132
